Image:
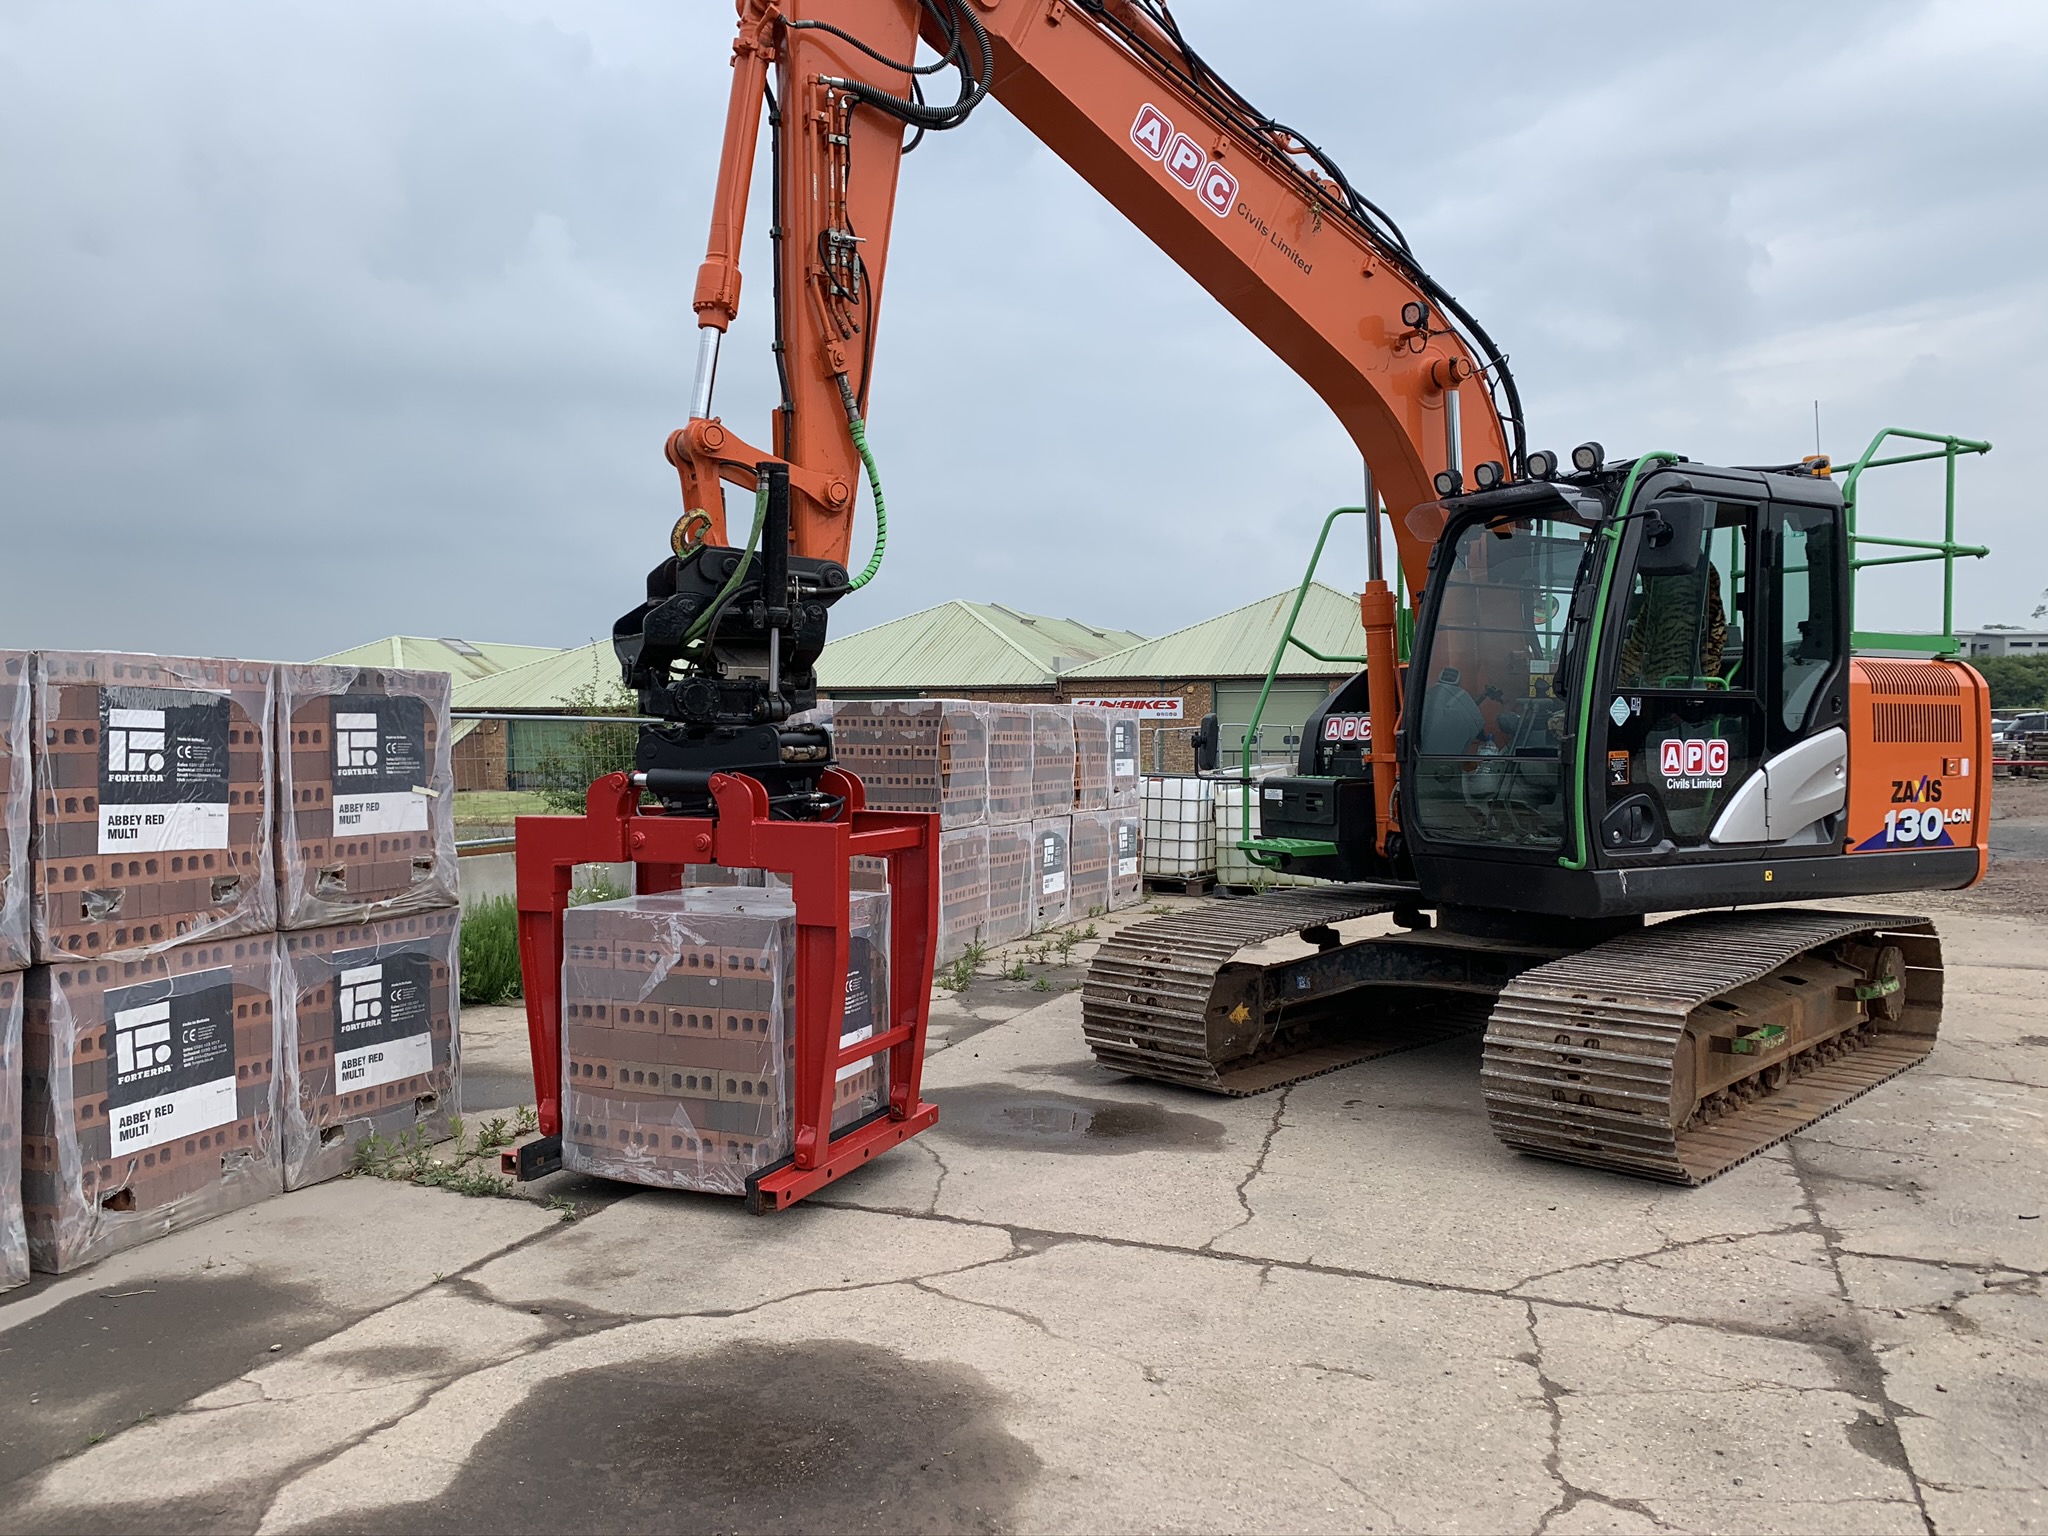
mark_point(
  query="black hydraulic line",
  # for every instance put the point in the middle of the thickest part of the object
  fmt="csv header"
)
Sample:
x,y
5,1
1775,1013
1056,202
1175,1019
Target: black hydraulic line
x,y
788,443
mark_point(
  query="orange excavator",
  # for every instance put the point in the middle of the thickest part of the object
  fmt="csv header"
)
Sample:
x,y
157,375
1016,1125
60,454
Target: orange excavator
x,y
1628,687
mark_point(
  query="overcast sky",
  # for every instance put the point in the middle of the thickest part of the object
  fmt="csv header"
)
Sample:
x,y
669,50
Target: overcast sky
x,y
321,322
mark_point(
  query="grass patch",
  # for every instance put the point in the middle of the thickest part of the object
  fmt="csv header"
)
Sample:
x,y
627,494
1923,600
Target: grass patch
x,y
490,952
410,1159
491,807
955,977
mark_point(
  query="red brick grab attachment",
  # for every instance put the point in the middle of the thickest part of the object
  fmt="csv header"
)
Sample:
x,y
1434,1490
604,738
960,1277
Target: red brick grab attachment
x,y
614,829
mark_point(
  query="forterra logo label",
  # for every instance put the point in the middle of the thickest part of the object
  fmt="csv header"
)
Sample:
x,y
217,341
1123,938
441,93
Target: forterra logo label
x,y
1154,133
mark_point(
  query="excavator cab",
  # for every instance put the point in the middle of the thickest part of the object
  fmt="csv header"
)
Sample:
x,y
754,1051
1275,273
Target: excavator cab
x,y
1631,693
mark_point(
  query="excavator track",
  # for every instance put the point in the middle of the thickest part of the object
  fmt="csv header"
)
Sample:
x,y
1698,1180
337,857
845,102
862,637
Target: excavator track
x,y
1164,999
1591,1058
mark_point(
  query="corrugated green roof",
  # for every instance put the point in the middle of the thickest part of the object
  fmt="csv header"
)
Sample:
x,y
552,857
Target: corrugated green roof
x,y
460,659
549,684
963,645
1240,643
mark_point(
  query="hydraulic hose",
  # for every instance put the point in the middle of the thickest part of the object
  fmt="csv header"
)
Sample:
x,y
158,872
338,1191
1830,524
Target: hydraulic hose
x,y
859,431
739,571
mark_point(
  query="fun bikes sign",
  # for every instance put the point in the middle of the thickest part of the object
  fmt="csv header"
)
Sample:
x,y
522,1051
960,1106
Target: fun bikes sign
x,y
1692,762
1214,187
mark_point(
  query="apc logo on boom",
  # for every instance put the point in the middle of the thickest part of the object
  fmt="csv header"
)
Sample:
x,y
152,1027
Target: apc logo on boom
x,y
1153,132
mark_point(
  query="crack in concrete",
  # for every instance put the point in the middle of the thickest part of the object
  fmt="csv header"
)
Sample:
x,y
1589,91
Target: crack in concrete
x,y
1258,1167
1888,1444
1571,1495
1669,1246
939,1188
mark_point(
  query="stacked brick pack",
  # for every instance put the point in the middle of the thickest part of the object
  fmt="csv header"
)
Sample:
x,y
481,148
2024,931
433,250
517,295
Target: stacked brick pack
x,y
152,802
1009,763
13,1236
16,796
368,1011
917,755
147,1094
366,794
678,1034
963,890
1051,892
14,950
1012,880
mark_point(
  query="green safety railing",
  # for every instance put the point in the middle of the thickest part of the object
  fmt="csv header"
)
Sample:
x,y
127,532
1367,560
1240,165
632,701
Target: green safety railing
x,y
1945,549
1266,851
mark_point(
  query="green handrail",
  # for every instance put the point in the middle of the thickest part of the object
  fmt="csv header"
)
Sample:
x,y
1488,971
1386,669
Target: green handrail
x,y
1945,549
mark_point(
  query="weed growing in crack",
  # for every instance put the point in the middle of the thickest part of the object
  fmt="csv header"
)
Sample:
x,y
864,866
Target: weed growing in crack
x,y
410,1159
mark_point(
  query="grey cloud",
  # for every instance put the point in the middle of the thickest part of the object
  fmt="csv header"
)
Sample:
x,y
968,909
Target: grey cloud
x,y
324,322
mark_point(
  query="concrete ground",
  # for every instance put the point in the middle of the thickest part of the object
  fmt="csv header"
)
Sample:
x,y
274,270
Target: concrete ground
x,y
1085,1303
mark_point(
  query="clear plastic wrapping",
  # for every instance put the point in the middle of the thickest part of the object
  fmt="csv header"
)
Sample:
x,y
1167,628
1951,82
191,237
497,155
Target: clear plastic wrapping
x,y
963,891
1092,733
1123,761
1089,860
13,1236
1052,760
1012,883
16,764
678,1034
147,1095
1009,763
1052,881
153,786
365,794
368,1038
926,755
1179,827
1126,859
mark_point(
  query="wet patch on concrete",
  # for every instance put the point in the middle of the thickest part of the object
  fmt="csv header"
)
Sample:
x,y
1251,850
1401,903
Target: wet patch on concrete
x,y
814,1435
993,1115
92,1366
228,1506
392,1362
1878,1440
1088,1074
2034,1040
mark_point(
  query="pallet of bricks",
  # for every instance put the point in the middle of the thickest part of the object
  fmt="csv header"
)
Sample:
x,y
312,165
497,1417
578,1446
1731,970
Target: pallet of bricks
x,y
14,951
679,1039
179,1058
1008,782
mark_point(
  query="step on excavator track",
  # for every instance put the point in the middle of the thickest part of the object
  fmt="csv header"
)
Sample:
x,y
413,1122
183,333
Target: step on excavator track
x,y
1164,999
1681,1050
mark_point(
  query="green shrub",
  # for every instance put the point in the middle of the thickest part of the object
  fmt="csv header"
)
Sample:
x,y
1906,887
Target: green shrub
x,y
490,952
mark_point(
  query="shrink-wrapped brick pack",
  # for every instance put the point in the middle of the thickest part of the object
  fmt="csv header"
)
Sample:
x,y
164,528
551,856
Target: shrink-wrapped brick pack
x,y
153,781
1012,883
16,768
1123,761
1052,760
917,755
365,794
678,1034
368,1040
13,1237
147,1095
963,891
1126,858
1009,763
1052,882
1088,864
1093,729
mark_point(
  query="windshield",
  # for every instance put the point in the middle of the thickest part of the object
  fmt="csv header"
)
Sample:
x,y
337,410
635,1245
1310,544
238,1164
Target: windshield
x,y
1491,719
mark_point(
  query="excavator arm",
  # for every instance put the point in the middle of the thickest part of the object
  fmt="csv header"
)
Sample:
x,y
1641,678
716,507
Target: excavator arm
x,y
1253,212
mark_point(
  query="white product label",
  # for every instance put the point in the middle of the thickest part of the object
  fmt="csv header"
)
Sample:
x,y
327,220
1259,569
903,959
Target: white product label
x,y
1053,884
391,1061
1126,866
162,828
1126,767
163,770
359,814
383,1021
173,1068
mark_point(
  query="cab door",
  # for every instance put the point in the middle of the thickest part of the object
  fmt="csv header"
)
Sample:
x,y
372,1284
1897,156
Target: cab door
x,y
1685,707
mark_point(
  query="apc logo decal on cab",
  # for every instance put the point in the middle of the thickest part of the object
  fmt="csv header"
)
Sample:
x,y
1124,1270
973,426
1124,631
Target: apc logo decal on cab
x,y
1693,762
1153,132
